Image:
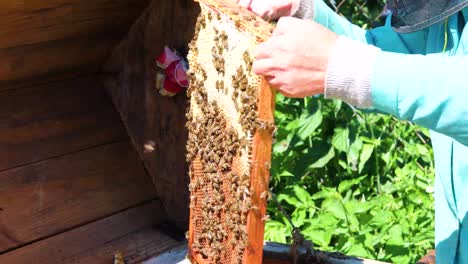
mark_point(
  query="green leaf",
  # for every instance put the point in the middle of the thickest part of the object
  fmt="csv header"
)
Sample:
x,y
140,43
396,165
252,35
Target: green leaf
x,y
396,236
341,139
346,185
334,207
310,125
302,194
318,237
288,198
299,216
310,156
324,193
422,149
358,250
366,153
324,160
353,154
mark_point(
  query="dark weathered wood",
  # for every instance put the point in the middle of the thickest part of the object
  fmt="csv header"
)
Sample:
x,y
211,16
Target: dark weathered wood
x,y
53,119
148,116
129,232
81,54
35,35
45,198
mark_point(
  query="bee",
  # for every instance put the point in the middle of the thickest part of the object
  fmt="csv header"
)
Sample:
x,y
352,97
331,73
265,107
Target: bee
x,y
149,147
247,58
266,195
255,208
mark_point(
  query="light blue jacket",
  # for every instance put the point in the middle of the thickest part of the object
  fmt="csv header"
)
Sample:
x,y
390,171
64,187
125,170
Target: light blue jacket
x,y
414,79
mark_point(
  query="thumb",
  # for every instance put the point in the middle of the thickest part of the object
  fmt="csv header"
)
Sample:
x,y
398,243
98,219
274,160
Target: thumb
x,y
245,3
286,23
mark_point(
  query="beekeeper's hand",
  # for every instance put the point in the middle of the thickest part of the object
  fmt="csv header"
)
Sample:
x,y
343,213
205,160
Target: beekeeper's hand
x,y
270,9
295,59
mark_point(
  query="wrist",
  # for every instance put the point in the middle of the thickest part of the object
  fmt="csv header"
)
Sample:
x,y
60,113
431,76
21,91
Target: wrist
x,y
303,9
349,72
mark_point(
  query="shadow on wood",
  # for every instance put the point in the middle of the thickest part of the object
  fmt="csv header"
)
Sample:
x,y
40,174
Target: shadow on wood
x,y
149,117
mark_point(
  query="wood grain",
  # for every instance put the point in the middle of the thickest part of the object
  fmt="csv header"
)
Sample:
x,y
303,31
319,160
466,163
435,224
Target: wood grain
x,y
41,37
148,116
81,54
129,232
260,179
45,198
53,119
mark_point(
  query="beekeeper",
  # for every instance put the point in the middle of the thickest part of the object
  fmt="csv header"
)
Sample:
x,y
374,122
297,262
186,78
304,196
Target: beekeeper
x,y
414,67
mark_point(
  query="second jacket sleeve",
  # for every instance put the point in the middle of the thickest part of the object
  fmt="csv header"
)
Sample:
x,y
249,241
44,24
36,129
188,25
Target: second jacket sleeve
x,y
427,90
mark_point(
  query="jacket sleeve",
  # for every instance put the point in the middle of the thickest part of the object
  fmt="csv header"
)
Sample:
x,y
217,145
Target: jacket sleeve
x,y
430,91
383,37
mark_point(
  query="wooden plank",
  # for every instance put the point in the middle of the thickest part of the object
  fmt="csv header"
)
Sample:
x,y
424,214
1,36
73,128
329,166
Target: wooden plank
x,y
52,58
129,232
135,247
48,197
53,119
274,253
175,255
260,179
149,117
40,37
31,22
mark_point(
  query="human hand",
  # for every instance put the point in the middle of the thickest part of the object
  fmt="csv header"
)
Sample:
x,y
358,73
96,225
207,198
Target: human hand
x,y
270,9
295,59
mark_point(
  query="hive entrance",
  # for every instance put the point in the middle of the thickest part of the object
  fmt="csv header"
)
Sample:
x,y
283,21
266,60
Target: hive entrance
x,y
230,122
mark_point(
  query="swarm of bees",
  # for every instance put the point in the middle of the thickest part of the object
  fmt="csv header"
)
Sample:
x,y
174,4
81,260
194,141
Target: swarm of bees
x,y
219,145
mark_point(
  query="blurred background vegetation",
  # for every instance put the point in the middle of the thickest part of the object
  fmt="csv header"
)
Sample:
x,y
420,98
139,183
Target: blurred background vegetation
x,y
353,182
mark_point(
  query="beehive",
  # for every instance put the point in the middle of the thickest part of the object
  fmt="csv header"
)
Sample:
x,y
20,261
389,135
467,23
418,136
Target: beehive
x,y
230,123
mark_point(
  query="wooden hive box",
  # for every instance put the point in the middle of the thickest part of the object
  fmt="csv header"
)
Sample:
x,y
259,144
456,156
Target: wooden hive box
x,y
73,189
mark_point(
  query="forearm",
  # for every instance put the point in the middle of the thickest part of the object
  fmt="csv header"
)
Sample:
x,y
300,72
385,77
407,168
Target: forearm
x,y
427,90
318,11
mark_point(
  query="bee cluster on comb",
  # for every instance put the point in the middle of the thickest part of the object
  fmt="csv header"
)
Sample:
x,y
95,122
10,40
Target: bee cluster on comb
x,y
230,124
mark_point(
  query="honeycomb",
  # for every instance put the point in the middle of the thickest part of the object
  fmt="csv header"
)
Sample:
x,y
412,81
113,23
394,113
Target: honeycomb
x,y
230,124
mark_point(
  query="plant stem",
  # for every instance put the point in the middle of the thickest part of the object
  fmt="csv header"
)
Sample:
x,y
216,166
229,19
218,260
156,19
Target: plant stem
x,y
376,159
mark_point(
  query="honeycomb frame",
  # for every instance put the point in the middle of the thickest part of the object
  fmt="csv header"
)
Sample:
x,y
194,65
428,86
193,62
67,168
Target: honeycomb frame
x,y
231,127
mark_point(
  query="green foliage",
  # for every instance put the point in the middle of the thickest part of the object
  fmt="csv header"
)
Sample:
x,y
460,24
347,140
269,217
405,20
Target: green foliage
x,y
356,183
362,12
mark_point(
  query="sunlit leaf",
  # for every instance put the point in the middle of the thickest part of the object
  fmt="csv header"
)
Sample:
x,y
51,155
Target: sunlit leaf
x,y
309,125
341,139
366,153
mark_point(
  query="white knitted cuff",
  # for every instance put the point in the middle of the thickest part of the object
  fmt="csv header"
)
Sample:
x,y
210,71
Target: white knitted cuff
x,y
349,72
305,10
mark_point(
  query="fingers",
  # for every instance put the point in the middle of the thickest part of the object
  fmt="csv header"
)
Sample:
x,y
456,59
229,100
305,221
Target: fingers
x,y
245,3
277,85
284,25
263,9
265,67
264,50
